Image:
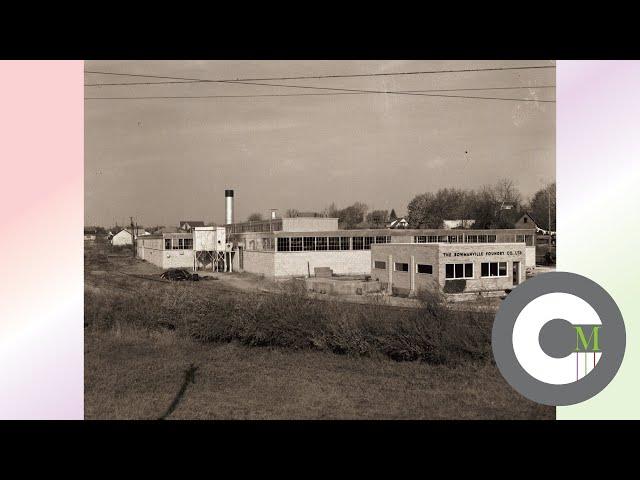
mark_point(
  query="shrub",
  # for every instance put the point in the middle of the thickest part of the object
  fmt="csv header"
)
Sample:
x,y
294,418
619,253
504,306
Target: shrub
x,y
292,319
455,286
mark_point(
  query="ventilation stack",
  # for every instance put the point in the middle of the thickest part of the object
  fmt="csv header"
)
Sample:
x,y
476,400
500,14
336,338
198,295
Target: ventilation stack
x,y
228,197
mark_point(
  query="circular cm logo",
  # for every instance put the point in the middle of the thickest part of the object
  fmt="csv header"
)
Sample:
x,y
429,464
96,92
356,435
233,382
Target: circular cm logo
x,y
558,338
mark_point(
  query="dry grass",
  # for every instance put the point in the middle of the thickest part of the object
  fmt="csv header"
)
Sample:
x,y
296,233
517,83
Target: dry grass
x,y
136,374
281,355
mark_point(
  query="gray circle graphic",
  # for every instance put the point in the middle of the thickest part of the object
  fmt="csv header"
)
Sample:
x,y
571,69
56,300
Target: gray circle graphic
x,y
612,330
556,338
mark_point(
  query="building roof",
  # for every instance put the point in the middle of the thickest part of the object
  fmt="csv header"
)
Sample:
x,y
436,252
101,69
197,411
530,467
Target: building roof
x,y
527,214
408,232
398,221
138,231
167,230
192,223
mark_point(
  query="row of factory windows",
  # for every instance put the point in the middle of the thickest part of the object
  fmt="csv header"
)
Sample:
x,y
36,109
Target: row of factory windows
x,y
304,244
259,226
452,270
482,238
178,243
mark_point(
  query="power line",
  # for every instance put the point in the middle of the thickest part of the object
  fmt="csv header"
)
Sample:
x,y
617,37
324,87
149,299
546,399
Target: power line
x,y
227,96
304,94
356,75
335,89
312,95
309,87
520,87
481,88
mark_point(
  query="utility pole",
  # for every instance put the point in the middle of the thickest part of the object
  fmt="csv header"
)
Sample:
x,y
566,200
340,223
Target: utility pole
x,y
133,238
549,211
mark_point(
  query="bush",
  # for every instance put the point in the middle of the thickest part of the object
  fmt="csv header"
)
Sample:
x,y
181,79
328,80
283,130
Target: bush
x,y
455,286
292,319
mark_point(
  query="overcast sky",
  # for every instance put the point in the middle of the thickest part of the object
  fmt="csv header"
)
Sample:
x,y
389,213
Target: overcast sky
x,y
166,160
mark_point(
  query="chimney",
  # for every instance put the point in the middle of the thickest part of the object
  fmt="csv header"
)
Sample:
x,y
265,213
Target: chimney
x,y
273,213
228,211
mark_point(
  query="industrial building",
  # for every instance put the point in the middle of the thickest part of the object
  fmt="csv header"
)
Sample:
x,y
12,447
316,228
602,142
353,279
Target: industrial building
x,y
295,247
408,267
202,248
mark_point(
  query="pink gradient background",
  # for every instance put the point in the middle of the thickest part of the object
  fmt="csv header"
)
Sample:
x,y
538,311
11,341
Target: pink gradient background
x,y
41,287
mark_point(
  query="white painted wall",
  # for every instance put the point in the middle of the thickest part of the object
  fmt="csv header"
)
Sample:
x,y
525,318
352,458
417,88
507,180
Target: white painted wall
x,y
177,259
530,257
348,262
261,263
309,224
122,238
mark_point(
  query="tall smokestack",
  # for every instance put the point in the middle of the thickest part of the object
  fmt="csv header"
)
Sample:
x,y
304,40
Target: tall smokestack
x,y
228,210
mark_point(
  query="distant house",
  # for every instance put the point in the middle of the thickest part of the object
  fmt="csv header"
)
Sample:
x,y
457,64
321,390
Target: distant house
x,y
463,223
125,237
90,234
398,223
188,225
527,221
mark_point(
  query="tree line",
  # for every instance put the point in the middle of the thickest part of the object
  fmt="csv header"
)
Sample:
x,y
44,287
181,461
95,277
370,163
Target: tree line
x,y
492,206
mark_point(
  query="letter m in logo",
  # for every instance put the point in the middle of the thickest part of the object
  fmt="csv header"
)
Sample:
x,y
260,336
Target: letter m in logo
x,y
582,344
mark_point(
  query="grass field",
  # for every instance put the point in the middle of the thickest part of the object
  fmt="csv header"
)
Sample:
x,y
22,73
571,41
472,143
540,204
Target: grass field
x,y
201,350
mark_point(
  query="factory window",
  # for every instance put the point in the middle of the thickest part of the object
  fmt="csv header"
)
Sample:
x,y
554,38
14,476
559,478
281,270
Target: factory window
x,y
283,244
519,238
344,243
321,243
493,269
420,239
296,244
334,243
309,243
380,265
432,239
188,244
167,244
482,239
502,269
267,243
368,241
383,239
423,268
472,238
401,267
458,270
491,239
528,240
358,243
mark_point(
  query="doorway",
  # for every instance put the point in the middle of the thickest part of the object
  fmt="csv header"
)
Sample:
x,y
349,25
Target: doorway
x,y
516,273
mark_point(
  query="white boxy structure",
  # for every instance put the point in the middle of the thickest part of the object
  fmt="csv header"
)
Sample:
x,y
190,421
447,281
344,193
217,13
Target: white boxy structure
x,y
211,249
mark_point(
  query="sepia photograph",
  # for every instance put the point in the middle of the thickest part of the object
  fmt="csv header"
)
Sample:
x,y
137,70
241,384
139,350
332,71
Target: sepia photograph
x,y
311,239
